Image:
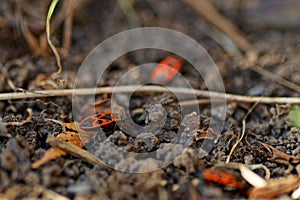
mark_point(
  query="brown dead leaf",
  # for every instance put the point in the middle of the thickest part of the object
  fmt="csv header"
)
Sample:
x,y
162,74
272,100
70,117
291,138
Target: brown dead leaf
x,y
53,153
74,126
79,139
279,156
85,136
45,82
275,188
71,137
75,151
50,154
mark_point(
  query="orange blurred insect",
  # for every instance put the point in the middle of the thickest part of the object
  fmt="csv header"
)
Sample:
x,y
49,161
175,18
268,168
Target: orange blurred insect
x,y
166,70
222,177
99,120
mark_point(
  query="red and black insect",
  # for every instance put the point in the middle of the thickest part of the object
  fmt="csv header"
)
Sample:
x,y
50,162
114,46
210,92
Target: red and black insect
x,y
166,70
222,177
100,120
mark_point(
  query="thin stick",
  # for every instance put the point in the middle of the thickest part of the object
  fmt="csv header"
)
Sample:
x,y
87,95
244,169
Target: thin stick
x,y
276,77
75,151
135,88
243,132
205,8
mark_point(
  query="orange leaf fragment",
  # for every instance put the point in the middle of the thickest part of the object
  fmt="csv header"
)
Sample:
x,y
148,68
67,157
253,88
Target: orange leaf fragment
x,y
71,137
84,135
50,154
53,153
72,126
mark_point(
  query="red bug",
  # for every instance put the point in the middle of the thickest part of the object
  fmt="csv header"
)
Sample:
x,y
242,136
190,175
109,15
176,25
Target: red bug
x,y
222,177
166,70
99,120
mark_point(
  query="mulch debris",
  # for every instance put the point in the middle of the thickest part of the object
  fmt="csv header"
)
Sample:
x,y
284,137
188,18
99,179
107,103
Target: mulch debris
x,y
186,165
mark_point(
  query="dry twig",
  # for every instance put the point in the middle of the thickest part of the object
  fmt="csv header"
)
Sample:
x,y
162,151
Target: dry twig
x,y
75,151
130,88
206,9
278,79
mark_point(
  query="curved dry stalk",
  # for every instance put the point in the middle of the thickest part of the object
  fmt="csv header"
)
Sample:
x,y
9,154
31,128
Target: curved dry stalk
x,y
27,120
243,132
48,32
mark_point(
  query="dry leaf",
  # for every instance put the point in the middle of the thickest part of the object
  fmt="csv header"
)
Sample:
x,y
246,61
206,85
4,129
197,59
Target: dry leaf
x,y
75,151
279,156
71,137
74,126
53,153
85,136
275,188
50,154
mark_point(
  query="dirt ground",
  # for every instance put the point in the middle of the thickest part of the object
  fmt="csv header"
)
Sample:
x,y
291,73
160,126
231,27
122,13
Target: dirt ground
x,y
270,146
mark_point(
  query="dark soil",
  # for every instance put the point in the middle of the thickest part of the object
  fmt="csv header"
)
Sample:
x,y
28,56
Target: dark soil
x,y
93,22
